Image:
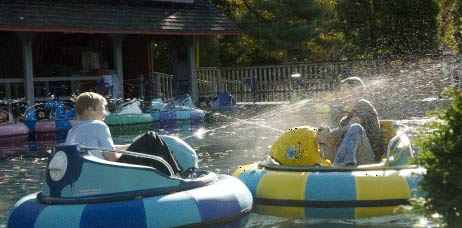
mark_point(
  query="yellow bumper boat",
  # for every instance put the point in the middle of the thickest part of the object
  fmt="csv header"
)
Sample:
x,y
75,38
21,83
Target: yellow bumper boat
x,y
301,184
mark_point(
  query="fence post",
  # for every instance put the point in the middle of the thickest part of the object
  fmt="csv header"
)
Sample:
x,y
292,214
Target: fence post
x,y
152,87
158,91
219,80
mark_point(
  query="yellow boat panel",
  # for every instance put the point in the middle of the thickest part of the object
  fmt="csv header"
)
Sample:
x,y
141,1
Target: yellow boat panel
x,y
386,187
283,185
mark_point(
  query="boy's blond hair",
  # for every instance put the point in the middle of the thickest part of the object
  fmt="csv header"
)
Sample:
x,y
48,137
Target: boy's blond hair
x,y
88,101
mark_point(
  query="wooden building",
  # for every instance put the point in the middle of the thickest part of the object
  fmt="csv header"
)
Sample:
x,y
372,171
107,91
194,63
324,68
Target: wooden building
x,y
51,46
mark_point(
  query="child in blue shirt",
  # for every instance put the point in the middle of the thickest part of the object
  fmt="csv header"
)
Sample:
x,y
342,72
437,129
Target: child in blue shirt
x,y
91,131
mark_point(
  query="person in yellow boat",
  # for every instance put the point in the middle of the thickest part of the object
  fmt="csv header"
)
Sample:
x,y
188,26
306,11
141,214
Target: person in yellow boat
x,y
357,140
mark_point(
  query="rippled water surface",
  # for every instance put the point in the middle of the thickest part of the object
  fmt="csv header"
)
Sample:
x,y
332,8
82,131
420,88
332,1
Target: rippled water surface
x,y
223,142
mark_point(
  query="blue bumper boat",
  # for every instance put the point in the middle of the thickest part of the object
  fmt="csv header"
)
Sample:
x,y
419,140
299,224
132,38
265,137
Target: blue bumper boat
x,y
83,191
52,116
131,113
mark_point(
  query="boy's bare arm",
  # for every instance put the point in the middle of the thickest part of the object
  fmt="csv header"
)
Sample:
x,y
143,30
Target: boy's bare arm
x,y
122,147
111,156
115,156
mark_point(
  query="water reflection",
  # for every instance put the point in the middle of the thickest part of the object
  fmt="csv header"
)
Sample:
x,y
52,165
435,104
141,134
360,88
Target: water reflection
x,y
15,145
19,176
398,221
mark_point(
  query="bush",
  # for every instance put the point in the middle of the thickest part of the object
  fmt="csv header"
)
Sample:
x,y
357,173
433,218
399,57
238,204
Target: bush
x,y
441,154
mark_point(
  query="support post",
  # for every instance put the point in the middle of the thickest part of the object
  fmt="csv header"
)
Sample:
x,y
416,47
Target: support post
x,y
28,67
219,81
150,89
117,42
192,67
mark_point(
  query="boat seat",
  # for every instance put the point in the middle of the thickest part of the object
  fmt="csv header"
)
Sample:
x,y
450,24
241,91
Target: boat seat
x,y
131,107
400,150
298,146
71,173
388,132
150,143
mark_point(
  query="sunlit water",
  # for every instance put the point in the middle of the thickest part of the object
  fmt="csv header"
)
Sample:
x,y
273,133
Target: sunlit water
x,y
223,142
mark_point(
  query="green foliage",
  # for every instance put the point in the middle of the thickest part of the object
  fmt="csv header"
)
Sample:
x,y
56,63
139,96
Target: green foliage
x,y
276,31
441,155
381,28
450,23
457,23
210,52
272,31
162,48
282,25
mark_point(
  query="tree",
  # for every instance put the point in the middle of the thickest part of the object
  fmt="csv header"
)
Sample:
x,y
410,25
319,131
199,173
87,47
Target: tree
x,y
376,28
450,23
440,153
457,24
276,31
273,31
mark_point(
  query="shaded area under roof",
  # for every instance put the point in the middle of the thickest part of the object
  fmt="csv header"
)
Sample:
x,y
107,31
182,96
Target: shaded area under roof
x,y
110,16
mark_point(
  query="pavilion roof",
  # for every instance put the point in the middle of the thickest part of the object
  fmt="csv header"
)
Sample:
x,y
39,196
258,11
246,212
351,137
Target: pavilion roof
x,y
198,17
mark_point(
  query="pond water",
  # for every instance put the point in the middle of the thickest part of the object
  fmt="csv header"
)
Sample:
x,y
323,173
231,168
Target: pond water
x,y
223,142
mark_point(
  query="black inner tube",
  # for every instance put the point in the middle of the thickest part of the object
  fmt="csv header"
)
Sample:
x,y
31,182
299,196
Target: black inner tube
x,y
332,204
276,167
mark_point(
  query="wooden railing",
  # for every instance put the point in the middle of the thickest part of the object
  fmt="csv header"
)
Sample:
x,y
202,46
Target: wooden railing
x,y
409,79
13,88
164,85
275,83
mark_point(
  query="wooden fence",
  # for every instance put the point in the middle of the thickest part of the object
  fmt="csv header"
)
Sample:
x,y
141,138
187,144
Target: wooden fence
x,y
276,83
417,78
164,85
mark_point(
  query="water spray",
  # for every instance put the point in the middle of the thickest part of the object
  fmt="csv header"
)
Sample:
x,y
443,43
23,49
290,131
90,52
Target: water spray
x,y
273,113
